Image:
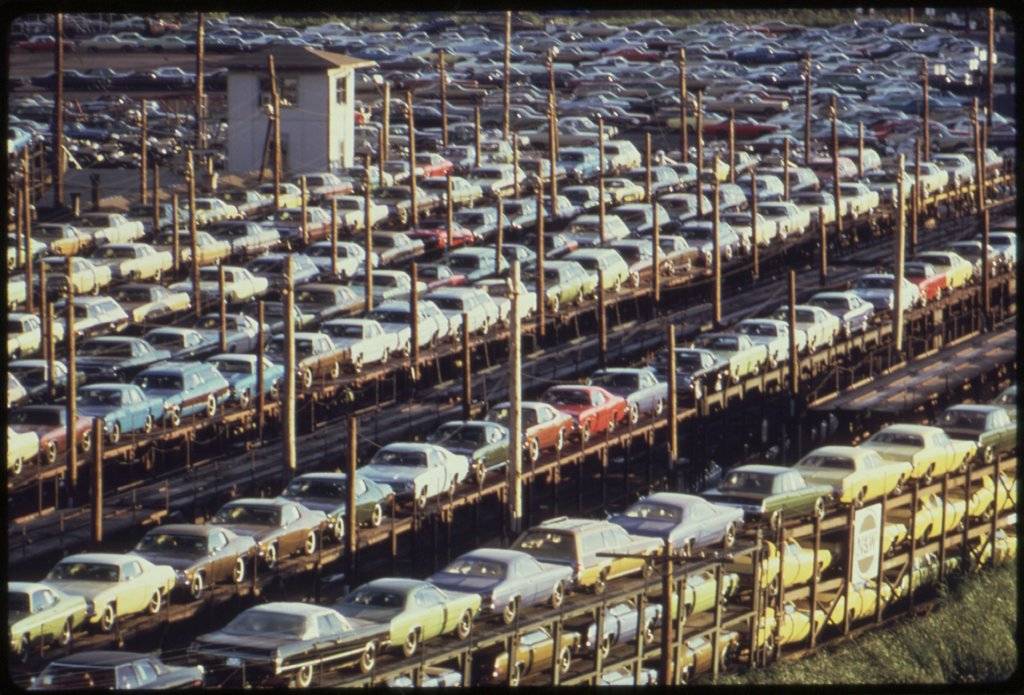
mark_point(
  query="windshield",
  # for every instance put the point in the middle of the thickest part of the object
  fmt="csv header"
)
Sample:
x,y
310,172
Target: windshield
x,y
477,568
465,262
830,302
132,294
52,418
748,481
165,340
77,677
390,316
176,543
838,462
762,329
258,622
384,457
655,512
317,487
897,439
614,380
458,434
965,419
241,514
232,366
115,252
875,283
375,598
343,330
568,397
28,374
168,382
450,303
720,342
17,602
542,543
104,348
85,572
108,397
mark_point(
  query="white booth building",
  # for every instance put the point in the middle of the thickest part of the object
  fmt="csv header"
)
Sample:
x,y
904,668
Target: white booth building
x,y
317,91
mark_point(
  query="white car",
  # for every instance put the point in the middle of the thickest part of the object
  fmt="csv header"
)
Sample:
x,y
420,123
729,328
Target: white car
x,y
586,229
364,340
393,317
933,177
111,227
500,289
1005,243
239,284
25,333
774,335
494,178
789,217
209,210
108,42
417,471
481,312
820,327
134,261
351,257
960,167
22,447
96,315
16,392
857,199
877,289
352,212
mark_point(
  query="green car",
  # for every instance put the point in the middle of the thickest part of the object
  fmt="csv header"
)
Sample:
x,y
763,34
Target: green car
x,y
484,443
566,282
769,492
988,425
41,614
328,493
1008,400
415,610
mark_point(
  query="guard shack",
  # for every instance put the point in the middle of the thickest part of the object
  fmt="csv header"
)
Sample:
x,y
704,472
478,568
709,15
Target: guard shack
x,y
317,93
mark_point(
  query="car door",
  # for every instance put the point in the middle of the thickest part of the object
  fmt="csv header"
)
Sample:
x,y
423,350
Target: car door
x,y
132,595
432,612
221,561
601,411
145,673
135,410
292,535
51,617
945,452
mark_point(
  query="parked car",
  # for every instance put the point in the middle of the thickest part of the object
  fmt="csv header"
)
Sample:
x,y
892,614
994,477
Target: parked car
x,y
115,670
280,527
855,474
185,388
854,313
328,493
49,423
820,327
485,444
744,356
202,556
989,426
930,283
147,302
316,356
957,269
878,289
644,394
544,427
417,472
769,492
686,521
595,410
40,615
536,651
928,449
124,408
622,623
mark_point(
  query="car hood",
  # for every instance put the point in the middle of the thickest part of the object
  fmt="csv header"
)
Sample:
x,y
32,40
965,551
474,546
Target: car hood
x,y
87,590
574,410
386,474
456,582
321,505
823,476
244,642
893,452
371,614
734,498
257,532
175,560
644,527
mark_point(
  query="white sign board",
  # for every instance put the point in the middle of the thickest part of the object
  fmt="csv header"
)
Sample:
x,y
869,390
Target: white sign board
x,y
867,541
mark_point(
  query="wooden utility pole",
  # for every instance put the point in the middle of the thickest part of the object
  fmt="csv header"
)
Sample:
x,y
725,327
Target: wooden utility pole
x,y
380,157
986,265
991,64
915,202
515,383
156,198
449,210
807,108
600,178
97,480
334,236
755,247
58,113
507,79
684,136
414,322
794,358
368,267
785,171
673,397
515,164
542,302
386,125
367,194
351,526
176,241
700,153
71,406
467,371
648,195
223,306
655,253
200,82
716,298
836,192
552,135
500,236
926,136
288,411
667,675
275,100
901,231
822,248
261,389
303,222
143,152
443,79
979,157
732,145
193,233
26,194
602,322
414,213
860,149
476,134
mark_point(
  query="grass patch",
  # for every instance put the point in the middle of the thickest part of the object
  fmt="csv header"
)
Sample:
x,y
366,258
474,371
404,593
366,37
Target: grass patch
x,y
969,638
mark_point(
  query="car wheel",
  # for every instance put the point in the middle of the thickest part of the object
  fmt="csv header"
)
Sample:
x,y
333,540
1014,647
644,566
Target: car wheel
x,y
51,452
245,399
859,499
510,611
928,474
86,443
555,305
16,467
24,649
357,362
533,449
64,638
819,508
307,378
465,626
421,499
309,546
634,279
270,556
335,370
115,433
174,417
412,641
988,455
147,426
368,658
634,413
730,536
558,595
612,423
606,646
275,391
659,407
211,406
238,571
647,571
304,676
564,660
156,602
195,587
602,582
108,618
376,516
515,675
775,520
585,432
560,442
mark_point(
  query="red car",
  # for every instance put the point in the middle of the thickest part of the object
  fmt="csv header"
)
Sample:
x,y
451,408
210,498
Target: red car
x,y
433,164
434,234
43,42
594,409
745,129
632,53
931,282
50,423
436,276
543,426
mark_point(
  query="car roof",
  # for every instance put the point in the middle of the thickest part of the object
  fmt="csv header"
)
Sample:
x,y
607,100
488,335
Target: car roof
x,y
676,499
399,584
109,558
258,502
100,658
838,450
565,523
292,607
189,529
976,407
498,554
762,468
910,429
26,587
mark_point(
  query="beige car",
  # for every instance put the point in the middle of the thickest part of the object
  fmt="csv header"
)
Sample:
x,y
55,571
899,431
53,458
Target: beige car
x,y
855,474
929,450
22,447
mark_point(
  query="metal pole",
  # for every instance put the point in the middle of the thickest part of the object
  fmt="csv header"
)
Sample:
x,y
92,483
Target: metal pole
x,y
507,78
176,239
275,98
901,232
442,78
449,206
655,253
414,319
822,248
542,303
290,457
143,155
794,358
924,111
414,213
986,298
71,437
351,530
261,397
807,65
97,480
673,398
190,173
700,153
860,149
647,168
58,113
684,137
836,192
386,127
785,171
600,178
515,401
222,301
200,83
755,246
602,327
991,81
467,371
334,234
716,253
732,152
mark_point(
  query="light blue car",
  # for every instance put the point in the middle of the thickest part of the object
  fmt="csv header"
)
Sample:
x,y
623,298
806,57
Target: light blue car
x,y
854,313
185,388
125,408
643,392
241,373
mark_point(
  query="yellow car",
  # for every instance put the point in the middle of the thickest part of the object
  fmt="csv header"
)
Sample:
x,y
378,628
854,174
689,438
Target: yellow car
x,y
1006,548
623,190
1005,493
797,568
893,534
794,625
957,269
855,474
928,522
863,599
926,572
928,449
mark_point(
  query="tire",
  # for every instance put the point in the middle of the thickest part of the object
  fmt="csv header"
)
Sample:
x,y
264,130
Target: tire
x,y
898,488
115,433
16,467
108,618
368,659
819,508
510,611
411,643
174,417
211,405
649,632
304,676
560,442
465,627
602,582
555,305
988,455
659,407
605,647
309,545
275,391
64,639
558,595
51,452
238,571
245,399
729,539
612,424
585,432
307,378
335,370
687,549
515,675
156,602
634,279
24,649
634,413
775,520
564,660
270,556
195,587
357,362
86,443
533,449
421,500
859,500
147,426
647,571
376,516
